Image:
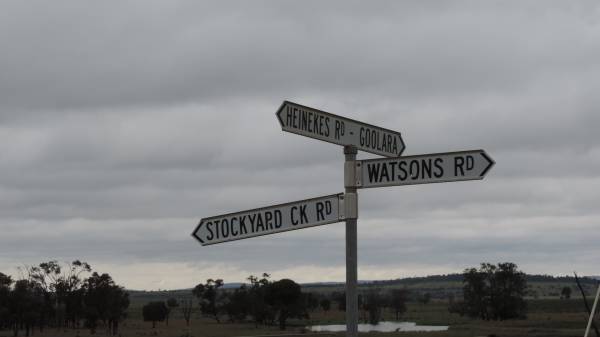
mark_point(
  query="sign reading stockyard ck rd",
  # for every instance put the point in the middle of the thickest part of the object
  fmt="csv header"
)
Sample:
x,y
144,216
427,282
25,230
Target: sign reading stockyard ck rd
x,y
314,123
423,169
270,220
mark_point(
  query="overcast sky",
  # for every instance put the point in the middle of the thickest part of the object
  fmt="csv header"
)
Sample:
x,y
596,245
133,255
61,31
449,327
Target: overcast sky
x,y
124,123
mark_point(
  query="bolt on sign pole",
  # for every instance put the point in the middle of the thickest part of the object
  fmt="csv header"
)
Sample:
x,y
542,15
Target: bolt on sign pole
x,y
351,205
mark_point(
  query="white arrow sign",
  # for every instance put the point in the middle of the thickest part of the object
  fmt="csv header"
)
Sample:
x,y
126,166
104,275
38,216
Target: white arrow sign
x,y
270,220
423,169
313,123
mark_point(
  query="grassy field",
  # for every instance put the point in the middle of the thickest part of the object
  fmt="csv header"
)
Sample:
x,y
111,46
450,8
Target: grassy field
x,y
548,315
547,318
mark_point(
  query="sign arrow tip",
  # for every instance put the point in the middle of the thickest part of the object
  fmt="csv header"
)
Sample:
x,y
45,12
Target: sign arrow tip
x,y
278,113
402,145
196,231
490,161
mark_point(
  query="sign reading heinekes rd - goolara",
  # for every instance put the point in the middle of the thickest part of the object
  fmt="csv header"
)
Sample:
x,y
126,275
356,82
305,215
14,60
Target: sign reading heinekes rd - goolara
x,y
314,123
423,169
271,219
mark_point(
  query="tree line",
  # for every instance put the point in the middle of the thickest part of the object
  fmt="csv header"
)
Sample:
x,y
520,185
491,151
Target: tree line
x,y
490,292
73,296
51,295
263,301
493,292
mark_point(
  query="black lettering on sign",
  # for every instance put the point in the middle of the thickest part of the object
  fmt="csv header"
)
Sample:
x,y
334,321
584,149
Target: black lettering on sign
x,y
413,168
339,129
321,118
384,173
373,140
233,231
393,169
243,229
218,234
459,162
224,226
328,207
252,222
303,217
426,168
326,126
304,120
259,223
373,171
269,220
439,172
295,113
278,222
378,140
320,207
289,120
294,222
361,136
210,235
470,162
403,173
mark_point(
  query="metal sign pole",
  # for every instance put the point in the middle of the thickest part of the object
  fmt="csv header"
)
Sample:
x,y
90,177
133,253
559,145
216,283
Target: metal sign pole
x,y
351,212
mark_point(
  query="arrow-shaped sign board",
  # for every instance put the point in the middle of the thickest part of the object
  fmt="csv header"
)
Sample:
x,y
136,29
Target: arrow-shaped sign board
x,y
270,220
313,123
423,169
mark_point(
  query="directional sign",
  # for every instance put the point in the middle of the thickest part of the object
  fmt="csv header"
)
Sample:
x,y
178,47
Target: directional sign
x,y
309,122
423,169
270,220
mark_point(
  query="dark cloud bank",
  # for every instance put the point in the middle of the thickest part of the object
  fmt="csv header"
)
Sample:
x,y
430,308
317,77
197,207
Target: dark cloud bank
x,y
122,125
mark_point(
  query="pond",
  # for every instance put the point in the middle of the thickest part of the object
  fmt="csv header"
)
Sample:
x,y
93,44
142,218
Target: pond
x,y
380,327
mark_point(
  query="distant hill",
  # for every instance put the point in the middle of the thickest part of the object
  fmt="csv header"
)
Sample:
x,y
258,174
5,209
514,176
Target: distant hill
x,y
453,278
438,286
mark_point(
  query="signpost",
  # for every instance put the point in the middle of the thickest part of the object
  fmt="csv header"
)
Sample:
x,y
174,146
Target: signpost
x,y
271,219
391,171
313,123
423,169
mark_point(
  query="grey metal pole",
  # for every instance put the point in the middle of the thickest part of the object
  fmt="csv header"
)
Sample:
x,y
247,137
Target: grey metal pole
x,y
351,244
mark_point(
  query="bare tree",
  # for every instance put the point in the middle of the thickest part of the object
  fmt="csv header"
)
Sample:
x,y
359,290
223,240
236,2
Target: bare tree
x,y
171,304
186,309
398,298
585,302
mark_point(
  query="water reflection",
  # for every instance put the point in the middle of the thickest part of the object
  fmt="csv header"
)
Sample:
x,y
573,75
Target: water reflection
x,y
380,327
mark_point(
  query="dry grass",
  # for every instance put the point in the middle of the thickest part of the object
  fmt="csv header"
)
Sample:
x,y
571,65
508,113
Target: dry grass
x,y
548,318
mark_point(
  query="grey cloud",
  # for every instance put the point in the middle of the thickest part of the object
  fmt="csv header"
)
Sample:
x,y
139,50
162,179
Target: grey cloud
x,y
121,126
73,56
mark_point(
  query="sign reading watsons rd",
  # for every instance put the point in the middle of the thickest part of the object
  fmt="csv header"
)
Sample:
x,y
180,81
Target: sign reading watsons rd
x,y
423,169
270,220
306,121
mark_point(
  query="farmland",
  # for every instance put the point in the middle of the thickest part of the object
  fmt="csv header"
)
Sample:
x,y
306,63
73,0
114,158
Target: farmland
x,y
547,317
